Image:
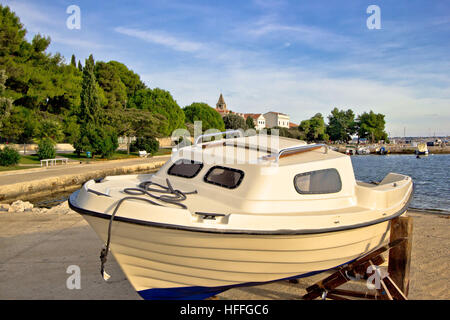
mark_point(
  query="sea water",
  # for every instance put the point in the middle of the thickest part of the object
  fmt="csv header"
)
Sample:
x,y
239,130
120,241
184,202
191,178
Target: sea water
x,y
430,174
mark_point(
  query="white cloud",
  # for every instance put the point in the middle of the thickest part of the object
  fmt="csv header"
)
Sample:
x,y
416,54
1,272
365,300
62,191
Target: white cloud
x,y
162,38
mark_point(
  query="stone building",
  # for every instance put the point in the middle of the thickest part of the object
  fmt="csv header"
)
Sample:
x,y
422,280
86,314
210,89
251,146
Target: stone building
x,y
276,119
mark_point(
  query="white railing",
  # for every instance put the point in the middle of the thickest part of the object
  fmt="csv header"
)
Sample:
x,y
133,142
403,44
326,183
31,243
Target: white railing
x,y
200,137
301,148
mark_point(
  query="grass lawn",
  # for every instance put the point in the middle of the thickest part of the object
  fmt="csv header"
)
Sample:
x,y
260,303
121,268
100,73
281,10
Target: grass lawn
x,y
116,156
82,157
29,159
13,168
162,152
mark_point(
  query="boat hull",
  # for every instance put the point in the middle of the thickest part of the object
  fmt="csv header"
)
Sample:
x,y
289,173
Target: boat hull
x,y
165,263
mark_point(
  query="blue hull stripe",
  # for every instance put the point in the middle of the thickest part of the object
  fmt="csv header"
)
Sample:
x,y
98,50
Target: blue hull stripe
x,y
199,293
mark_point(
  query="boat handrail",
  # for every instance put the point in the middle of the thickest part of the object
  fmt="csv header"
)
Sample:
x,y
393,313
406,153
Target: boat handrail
x,y
200,137
295,150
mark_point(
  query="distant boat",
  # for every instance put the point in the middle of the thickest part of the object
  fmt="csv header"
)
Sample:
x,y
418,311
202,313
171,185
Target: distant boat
x,y
422,149
363,150
350,150
383,150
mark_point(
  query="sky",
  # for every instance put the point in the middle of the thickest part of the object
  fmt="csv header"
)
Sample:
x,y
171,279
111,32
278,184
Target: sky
x,y
296,57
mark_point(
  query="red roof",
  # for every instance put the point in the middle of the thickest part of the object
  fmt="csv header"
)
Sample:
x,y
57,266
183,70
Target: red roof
x,y
252,115
292,125
277,113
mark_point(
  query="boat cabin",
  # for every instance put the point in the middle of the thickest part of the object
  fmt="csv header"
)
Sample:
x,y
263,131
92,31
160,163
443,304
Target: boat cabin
x,y
245,175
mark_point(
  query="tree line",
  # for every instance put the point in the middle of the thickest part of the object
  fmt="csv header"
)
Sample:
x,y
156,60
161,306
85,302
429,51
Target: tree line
x,y
342,125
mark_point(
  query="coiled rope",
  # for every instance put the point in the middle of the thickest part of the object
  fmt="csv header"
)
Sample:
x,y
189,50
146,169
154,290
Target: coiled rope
x,y
169,195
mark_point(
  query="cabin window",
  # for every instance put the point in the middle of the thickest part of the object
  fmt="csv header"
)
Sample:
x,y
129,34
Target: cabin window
x,y
225,177
185,168
318,182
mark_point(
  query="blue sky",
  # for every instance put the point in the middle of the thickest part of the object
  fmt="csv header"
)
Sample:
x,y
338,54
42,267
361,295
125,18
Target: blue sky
x,y
298,57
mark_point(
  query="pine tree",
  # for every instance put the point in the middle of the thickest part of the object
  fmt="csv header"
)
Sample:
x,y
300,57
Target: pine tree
x,y
73,61
80,67
5,103
90,107
95,135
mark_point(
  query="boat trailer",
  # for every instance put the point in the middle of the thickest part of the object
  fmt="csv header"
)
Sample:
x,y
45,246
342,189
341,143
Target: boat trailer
x,y
392,286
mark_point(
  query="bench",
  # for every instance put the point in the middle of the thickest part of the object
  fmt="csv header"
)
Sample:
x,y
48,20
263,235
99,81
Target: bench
x,y
143,154
52,162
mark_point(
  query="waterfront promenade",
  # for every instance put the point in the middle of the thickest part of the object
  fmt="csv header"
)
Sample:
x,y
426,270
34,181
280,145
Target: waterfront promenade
x,y
40,181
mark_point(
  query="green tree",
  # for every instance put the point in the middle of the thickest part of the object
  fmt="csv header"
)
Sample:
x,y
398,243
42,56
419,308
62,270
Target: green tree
x,y
131,80
233,121
46,149
73,61
113,88
51,129
12,33
9,156
5,102
95,135
136,123
371,126
36,79
341,125
20,126
158,101
250,123
147,143
314,128
199,111
71,128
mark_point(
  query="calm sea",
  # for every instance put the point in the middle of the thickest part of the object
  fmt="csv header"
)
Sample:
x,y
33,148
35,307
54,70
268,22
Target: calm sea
x,y
431,176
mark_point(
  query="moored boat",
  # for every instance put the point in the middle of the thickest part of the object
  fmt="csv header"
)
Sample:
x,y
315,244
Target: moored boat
x,y
239,212
363,150
422,149
350,150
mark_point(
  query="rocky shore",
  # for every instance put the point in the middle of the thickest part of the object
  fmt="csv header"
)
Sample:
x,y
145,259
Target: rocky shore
x,y
20,206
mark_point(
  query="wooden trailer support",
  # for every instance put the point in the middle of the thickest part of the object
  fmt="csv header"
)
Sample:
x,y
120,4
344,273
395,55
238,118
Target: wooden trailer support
x,y
393,286
400,256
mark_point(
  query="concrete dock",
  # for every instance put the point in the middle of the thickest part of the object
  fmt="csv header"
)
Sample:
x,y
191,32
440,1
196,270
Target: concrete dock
x,y
37,248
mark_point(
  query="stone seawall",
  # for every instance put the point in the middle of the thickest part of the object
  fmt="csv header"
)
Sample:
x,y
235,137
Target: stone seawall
x,y
46,186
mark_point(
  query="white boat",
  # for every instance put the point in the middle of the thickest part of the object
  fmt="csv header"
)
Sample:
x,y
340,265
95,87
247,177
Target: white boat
x,y
363,150
208,223
422,149
350,150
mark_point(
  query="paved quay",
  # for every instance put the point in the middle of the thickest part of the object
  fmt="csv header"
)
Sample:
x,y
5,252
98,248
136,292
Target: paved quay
x,y
40,248
41,181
